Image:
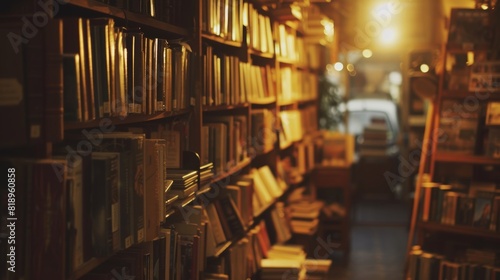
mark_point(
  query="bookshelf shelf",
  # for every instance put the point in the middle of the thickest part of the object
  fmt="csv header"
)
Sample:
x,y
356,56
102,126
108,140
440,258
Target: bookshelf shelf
x,y
479,95
286,60
130,119
226,107
470,159
233,170
306,102
220,40
260,54
289,102
463,230
130,18
264,101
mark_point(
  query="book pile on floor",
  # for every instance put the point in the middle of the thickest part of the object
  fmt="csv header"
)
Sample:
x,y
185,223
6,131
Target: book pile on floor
x,y
290,262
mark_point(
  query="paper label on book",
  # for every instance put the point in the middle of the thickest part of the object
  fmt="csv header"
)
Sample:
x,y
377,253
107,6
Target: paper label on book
x,y
35,131
173,156
11,92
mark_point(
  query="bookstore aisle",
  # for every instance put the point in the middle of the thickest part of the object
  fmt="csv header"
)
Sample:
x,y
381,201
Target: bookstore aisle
x,y
379,234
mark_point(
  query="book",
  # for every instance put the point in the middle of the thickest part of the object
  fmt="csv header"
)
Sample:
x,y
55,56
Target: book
x,y
492,113
469,29
153,188
72,86
105,203
459,124
482,210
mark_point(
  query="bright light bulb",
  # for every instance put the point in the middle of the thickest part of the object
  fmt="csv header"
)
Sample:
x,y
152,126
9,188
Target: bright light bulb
x,y
338,66
388,36
367,53
424,68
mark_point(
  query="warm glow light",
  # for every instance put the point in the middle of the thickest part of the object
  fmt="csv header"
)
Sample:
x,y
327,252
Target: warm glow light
x,y
484,6
350,67
470,58
367,53
424,68
395,78
338,66
388,36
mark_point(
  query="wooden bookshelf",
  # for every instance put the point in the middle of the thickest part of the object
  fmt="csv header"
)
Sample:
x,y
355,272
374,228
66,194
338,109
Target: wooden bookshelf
x,y
130,119
447,114
220,40
182,128
468,231
461,158
220,108
131,18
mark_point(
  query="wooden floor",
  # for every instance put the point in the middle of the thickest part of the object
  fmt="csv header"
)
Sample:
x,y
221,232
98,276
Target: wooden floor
x,y
378,244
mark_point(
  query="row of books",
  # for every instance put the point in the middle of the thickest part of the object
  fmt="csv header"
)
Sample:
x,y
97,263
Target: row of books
x,y
297,85
259,29
427,265
270,261
223,18
262,131
479,206
178,252
226,141
226,219
288,45
295,124
168,11
114,71
228,81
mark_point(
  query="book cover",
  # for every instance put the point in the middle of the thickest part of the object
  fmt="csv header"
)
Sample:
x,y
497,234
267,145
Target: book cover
x,y
12,92
469,29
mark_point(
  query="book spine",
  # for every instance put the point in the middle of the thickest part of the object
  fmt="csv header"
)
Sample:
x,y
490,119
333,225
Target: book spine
x,y
114,202
53,89
101,216
49,222
138,179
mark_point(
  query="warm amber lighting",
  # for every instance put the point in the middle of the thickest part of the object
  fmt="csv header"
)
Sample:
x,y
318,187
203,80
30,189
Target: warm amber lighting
x,y
350,67
484,6
424,68
338,66
388,36
367,53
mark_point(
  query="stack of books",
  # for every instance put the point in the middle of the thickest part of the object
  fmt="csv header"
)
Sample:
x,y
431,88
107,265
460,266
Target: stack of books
x,y
376,141
305,216
185,185
206,175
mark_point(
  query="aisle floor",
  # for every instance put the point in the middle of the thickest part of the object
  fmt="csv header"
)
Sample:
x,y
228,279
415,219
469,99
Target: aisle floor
x,y
378,243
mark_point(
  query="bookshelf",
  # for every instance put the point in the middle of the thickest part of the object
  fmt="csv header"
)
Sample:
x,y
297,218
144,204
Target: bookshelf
x,y
152,91
451,218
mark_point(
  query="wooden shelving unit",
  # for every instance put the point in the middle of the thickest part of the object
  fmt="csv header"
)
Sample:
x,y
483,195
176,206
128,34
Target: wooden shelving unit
x,y
125,57
447,227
